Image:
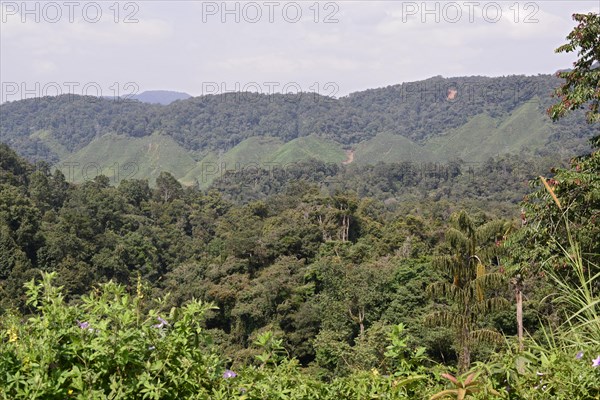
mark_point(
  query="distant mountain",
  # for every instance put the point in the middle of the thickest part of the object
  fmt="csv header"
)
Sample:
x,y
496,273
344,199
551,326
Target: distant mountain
x,y
199,138
163,97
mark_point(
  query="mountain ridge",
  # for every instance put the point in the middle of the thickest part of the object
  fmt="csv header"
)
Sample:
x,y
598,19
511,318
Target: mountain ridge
x,y
164,97
437,119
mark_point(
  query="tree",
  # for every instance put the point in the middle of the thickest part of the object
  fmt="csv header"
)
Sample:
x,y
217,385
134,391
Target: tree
x,y
470,247
13,169
578,188
21,217
167,188
582,83
135,191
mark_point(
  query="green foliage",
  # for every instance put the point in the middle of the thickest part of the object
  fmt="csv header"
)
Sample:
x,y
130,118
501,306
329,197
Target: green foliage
x,y
413,121
581,83
578,191
465,386
319,271
271,348
469,291
404,360
105,347
543,372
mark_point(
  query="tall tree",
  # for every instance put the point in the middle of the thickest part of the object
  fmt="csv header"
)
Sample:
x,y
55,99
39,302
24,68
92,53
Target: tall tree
x,y
582,83
471,247
167,188
577,187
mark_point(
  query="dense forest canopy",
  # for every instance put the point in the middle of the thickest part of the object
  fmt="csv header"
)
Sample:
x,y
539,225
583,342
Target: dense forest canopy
x,y
323,281
415,110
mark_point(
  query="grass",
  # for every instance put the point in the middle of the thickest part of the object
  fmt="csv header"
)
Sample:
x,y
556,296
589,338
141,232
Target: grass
x,y
483,136
581,297
390,148
582,326
120,157
250,152
309,147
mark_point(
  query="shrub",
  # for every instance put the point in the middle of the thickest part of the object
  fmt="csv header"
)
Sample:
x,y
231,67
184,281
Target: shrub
x,y
105,347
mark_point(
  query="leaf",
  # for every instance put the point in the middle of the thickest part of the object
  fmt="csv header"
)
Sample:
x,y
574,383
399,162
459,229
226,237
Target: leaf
x,y
487,336
451,378
470,379
443,394
408,381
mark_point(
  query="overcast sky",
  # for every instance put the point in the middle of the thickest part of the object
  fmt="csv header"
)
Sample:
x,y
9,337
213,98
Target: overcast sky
x,y
333,47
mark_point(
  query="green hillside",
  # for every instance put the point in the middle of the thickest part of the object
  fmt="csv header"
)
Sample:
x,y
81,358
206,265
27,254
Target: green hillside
x,y
54,145
305,148
120,157
387,147
252,152
484,136
200,138
262,152
206,124
481,137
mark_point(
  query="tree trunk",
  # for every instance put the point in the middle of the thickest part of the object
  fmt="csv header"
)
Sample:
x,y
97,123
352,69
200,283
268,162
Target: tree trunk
x,y
464,353
519,298
361,319
516,282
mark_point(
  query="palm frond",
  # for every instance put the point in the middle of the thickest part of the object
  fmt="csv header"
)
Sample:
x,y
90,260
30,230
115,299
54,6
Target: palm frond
x,y
445,318
445,289
457,239
489,281
491,231
464,223
486,336
447,263
491,305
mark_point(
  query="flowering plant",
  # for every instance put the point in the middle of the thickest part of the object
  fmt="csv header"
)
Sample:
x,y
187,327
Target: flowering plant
x,y
105,347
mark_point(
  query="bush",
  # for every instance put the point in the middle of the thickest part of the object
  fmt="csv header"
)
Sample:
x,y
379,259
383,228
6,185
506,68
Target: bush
x,y
105,347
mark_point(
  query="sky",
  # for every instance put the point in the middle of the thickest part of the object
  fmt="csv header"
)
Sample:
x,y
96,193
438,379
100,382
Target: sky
x,y
333,48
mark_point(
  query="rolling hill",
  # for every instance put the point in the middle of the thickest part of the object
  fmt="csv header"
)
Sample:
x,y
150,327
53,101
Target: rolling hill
x,y
386,147
120,157
163,97
199,138
484,136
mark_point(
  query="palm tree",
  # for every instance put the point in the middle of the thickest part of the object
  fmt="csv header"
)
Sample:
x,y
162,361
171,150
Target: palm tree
x,y
470,246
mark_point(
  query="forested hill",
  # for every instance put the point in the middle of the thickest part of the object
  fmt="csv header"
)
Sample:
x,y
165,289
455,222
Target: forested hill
x,y
426,120
160,96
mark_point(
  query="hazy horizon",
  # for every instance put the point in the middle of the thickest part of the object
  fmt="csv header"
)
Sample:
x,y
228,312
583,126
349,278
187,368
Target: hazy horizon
x,y
332,48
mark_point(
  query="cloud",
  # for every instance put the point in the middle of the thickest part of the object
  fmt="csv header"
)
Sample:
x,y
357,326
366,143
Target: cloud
x,y
372,44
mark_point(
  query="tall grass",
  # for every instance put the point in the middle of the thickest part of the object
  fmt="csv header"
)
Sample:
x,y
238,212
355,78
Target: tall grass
x,y
579,294
580,298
